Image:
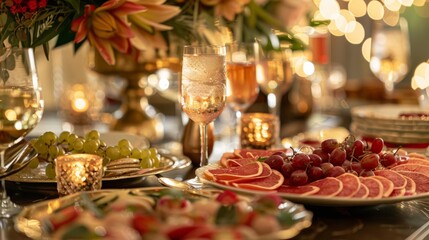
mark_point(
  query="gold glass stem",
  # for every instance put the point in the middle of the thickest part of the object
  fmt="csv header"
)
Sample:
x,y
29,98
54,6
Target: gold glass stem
x,y
204,140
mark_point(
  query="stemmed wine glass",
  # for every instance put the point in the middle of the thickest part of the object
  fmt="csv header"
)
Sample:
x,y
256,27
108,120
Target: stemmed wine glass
x,y
242,87
21,106
390,50
274,75
203,89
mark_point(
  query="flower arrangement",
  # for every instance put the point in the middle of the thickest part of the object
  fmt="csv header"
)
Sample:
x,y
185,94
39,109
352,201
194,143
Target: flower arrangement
x,y
131,26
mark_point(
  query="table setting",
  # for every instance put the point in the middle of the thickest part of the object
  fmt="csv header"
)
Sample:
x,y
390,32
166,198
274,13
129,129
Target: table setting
x,y
212,120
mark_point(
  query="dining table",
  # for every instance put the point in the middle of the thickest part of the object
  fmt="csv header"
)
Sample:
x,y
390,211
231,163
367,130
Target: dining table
x,y
397,220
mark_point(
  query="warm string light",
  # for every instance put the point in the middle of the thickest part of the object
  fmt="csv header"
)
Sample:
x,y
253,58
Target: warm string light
x,y
344,21
420,80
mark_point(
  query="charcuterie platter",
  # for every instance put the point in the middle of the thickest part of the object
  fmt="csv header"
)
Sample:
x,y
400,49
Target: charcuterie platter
x,y
363,175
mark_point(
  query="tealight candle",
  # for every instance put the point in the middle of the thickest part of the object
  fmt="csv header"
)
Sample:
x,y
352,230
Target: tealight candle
x,y
259,131
78,172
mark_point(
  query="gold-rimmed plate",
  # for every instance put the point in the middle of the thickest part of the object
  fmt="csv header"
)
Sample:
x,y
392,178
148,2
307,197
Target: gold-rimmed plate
x,y
30,221
310,199
168,162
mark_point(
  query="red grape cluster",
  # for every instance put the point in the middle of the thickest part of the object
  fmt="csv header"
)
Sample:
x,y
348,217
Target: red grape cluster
x,y
332,159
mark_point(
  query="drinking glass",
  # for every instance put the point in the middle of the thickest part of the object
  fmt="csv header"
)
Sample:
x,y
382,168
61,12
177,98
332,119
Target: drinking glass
x,y
21,106
274,75
203,89
242,87
390,50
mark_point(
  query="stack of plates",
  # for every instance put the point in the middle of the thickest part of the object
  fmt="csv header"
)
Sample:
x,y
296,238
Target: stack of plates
x,y
398,125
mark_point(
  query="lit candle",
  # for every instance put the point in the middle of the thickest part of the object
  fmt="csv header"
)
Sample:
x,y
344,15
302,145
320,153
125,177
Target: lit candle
x,y
259,131
78,172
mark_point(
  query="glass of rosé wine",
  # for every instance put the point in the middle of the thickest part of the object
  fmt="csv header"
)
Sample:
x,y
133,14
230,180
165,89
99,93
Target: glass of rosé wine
x,y
242,86
203,89
275,76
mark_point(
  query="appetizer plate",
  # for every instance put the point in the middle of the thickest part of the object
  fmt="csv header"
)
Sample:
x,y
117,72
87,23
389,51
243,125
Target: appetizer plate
x,y
309,200
32,219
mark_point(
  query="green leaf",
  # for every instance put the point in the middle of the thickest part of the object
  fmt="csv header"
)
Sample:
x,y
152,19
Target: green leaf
x,y
4,34
64,37
75,4
46,49
226,215
79,231
52,32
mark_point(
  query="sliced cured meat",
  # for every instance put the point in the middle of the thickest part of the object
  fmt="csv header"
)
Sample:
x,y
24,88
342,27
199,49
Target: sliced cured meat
x,y
413,168
225,157
417,155
421,180
246,171
398,192
271,182
300,190
351,185
236,162
374,186
256,153
329,186
418,161
387,185
398,180
410,188
266,172
363,192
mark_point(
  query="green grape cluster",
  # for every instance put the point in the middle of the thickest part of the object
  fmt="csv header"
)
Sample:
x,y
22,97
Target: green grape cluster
x,y
49,146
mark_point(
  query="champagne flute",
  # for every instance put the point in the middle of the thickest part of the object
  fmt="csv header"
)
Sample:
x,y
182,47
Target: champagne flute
x,y
242,87
203,89
390,50
21,107
274,75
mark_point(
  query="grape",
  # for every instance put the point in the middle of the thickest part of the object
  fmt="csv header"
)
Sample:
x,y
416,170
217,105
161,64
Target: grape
x,y
63,136
287,169
50,171
93,134
358,148
388,159
335,171
367,173
145,153
315,159
34,163
146,163
298,178
356,166
315,173
53,151
153,152
329,145
275,162
113,152
338,156
377,145
370,161
71,138
325,156
78,144
124,143
125,151
347,165
40,146
90,146
300,161
326,166
136,153
49,138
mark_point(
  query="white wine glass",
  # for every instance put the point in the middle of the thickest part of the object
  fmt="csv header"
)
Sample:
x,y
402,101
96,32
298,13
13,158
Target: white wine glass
x,y
390,53
203,90
242,86
21,106
274,75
